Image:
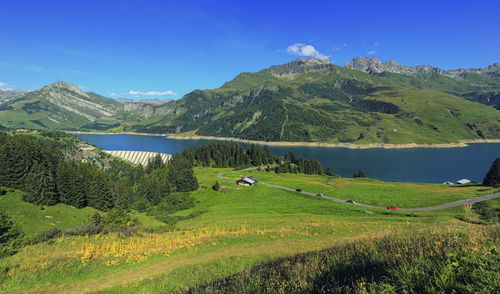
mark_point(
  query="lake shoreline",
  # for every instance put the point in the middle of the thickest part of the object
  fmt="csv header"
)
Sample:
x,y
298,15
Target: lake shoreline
x,y
461,143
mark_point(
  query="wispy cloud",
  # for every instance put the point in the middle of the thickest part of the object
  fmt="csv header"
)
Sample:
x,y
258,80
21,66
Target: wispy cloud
x,y
113,94
372,49
152,93
4,86
305,50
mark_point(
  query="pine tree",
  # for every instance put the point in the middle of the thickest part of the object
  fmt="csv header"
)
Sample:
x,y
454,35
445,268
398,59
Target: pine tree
x,y
360,174
8,230
154,162
216,186
492,178
41,186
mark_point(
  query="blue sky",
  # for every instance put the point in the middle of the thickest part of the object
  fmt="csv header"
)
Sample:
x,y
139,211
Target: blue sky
x,y
166,49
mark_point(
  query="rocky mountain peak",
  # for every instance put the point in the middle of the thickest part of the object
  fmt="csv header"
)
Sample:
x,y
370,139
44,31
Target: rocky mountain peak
x,y
368,64
300,65
61,85
374,65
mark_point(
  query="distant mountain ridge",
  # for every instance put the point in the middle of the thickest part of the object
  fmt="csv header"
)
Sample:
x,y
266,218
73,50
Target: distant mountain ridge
x,y
374,65
312,100
306,100
8,95
155,101
476,84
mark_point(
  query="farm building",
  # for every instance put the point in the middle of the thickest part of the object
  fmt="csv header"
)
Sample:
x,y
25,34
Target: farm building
x,y
464,181
247,181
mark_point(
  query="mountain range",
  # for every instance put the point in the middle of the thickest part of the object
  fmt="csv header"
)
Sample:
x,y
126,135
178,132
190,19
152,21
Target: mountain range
x,y
306,100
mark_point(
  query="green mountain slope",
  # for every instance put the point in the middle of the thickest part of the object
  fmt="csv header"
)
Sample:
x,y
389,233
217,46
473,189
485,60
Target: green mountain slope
x,y
58,106
476,84
313,100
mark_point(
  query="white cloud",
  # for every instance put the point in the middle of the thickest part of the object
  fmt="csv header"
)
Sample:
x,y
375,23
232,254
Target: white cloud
x,y
113,94
372,50
301,49
152,93
4,86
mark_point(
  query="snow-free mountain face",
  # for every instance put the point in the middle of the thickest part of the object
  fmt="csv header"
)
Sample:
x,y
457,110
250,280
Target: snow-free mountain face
x,y
314,100
60,105
476,84
9,95
374,65
304,100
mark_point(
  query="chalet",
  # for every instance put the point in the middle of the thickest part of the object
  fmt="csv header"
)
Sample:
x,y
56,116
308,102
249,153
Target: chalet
x,y
247,181
464,182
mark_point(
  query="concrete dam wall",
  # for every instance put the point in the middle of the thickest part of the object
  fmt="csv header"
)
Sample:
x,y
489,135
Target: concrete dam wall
x,y
137,157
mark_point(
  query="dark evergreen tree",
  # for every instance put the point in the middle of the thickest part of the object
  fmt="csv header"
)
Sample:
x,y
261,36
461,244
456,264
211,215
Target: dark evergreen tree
x,y
8,230
41,186
360,174
216,186
154,162
181,174
71,184
492,178
329,172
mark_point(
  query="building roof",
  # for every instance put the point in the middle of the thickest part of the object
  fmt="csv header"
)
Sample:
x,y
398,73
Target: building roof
x,y
248,180
463,181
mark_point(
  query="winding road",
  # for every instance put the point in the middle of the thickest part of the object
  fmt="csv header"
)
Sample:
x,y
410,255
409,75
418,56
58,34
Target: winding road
x,y
437,207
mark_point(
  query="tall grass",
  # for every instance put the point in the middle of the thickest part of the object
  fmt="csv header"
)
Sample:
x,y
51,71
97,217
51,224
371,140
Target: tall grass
x,y
464,262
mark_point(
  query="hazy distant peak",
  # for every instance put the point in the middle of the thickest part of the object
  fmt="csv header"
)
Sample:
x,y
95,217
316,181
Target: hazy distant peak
x,y
147,101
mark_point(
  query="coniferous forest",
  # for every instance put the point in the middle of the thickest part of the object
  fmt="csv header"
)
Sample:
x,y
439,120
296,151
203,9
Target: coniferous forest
x,y
230,154
49,168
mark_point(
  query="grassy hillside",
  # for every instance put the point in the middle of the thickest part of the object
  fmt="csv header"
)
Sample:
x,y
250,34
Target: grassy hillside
x,y
232,231
35,219
58,106
327,103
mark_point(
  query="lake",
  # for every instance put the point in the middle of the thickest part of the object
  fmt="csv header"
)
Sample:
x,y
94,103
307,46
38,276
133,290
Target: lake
x,y
433,165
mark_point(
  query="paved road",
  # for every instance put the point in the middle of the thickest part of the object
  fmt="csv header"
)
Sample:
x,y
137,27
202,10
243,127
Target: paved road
x,y
437,207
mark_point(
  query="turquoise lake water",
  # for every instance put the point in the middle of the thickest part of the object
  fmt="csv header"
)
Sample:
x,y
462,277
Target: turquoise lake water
x,y
434,165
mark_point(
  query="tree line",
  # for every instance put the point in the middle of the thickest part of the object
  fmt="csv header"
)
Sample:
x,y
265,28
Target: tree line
x,y
41,166
231,154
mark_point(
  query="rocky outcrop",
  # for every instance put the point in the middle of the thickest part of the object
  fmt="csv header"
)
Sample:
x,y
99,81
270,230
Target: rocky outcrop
x,y
374,65
300,65
72,99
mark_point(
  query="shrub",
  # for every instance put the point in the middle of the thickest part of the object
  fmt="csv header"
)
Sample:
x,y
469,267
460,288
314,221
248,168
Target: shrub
x,y
216,186
89,229
117,217
360,174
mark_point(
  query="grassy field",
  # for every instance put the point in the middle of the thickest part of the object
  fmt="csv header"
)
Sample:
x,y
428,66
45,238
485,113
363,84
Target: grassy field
x,y
234,231
34,219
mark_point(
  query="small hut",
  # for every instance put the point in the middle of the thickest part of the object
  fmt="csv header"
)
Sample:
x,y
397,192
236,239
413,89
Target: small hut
x,y
247,181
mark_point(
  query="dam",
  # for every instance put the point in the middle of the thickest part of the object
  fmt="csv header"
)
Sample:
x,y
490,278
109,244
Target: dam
x,y
137,157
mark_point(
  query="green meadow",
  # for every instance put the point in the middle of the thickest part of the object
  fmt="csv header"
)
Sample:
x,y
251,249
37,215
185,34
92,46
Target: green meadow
x,y
227,232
